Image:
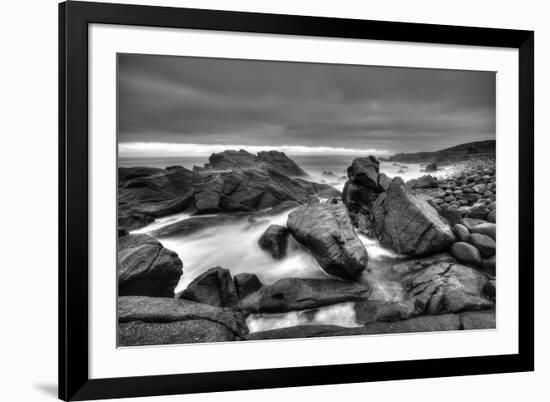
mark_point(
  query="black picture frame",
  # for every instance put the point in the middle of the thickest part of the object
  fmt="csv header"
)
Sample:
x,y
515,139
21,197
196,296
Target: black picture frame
x,y
74,18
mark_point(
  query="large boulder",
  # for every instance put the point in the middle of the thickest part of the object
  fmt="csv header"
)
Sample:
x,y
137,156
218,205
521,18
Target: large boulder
x,y
408,224
485,245
440,286
146,268
326,231
299,294
275,241
154,320
214,287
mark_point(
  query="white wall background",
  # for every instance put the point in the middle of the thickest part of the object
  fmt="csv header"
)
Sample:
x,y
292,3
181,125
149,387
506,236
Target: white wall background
x,y
28,200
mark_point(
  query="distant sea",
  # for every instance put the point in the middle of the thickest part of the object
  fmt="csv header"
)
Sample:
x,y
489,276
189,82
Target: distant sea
x,y
314,165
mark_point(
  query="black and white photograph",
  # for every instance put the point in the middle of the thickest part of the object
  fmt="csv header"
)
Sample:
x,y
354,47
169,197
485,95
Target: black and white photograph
x,y
264,199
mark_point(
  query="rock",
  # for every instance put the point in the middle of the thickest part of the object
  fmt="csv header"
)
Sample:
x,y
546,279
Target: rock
x,y
471,223
246,284
489,265
370,311
384,181
466,253
485,228
214,287
276,160
408,224
492,216
447,322
299,294
443,286
275,241
137,333
122,232
236,181
478,320
326,231
491,288
426,181
478,212
462,233
146,268
364,172
431,167
165,310
356,196
485,245
451,214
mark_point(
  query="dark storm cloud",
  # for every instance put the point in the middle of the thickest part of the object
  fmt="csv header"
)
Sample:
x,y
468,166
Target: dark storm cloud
x,y
223,101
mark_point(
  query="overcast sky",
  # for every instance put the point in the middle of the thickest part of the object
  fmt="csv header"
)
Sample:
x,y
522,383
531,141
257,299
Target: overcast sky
x,y
224,103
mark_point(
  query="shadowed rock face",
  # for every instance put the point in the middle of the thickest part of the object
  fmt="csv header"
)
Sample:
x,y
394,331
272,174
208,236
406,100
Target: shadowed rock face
x,y
146,268
299,294
326,231
214,287
234,181
408,224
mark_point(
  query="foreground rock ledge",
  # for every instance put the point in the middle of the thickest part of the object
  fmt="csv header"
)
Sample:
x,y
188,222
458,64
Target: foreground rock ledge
x,y
326,231
166,310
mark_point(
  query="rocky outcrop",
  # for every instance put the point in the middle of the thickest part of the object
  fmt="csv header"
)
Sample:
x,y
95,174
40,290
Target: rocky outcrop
x,y
438,285
326,231
299,294
275,241
230,159
408,224
154,320
364,184
146,268
431,167
234,181
214,287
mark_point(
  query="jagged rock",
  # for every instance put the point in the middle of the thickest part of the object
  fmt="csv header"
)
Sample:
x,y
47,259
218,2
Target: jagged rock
x,y
326,231
444,287
214,287
275,241
466,253
165,310
246,284
364,172
299,294
478,320
384,181
408,224
485,245
146,268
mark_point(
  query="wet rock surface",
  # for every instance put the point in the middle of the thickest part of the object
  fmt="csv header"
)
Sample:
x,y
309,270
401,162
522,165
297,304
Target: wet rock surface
x,y
214,287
